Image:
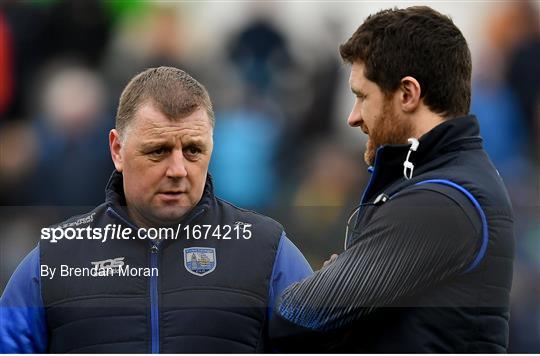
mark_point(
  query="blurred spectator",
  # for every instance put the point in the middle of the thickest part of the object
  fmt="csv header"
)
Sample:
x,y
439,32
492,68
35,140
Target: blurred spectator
x,y
309,98
73,161
503,128
330,186
495,104
523,73
274,91
258,52
18,151
77,29
143,39
243,163
249,124
40,31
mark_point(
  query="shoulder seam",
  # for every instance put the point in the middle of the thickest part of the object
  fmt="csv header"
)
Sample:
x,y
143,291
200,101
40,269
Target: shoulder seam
x,y
426,187
249,211
485,228
73,219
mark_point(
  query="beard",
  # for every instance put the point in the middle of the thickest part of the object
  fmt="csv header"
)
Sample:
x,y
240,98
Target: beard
x,y
389,129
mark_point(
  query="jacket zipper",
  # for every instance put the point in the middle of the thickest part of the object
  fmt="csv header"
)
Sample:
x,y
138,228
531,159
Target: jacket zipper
x,y
154,296
154,302
364,194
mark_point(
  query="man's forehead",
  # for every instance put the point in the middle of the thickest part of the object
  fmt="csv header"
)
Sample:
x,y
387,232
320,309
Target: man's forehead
x,y
356,77
152,120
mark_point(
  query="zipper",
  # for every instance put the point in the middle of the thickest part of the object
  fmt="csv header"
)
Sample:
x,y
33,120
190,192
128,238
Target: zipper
x,y
154,302
154,296
373,172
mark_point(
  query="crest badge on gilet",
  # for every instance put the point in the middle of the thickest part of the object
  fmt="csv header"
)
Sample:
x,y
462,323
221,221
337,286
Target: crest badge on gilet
x,y
200,260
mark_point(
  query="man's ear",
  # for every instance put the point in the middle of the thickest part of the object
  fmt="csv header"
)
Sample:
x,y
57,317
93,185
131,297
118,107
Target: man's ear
x,y
115,145
410,91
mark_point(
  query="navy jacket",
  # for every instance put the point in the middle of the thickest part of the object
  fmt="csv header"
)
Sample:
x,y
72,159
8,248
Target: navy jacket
x,y
209,295
428,263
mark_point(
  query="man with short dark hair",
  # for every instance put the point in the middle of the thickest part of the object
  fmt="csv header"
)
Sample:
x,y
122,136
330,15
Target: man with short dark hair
x,y
207,285
427,265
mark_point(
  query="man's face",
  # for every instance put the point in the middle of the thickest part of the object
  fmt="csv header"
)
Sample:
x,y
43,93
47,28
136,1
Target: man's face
x,y
164,164
376,114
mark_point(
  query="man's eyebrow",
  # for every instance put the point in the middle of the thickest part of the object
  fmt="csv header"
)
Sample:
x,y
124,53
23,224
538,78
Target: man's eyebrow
x,y
356,92
154,143
193,140
189,140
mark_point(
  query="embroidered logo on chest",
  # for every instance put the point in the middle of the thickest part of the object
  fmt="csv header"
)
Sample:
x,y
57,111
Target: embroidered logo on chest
x,y
200,260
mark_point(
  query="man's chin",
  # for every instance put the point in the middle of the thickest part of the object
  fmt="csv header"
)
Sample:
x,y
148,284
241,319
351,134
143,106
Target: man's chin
x,y
171,215
369,155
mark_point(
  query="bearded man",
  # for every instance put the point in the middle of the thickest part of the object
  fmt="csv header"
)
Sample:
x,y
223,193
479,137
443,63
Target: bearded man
x,y
427,265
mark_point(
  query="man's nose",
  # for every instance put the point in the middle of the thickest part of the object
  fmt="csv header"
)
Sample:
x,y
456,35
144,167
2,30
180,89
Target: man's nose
x,y
355,119
176,165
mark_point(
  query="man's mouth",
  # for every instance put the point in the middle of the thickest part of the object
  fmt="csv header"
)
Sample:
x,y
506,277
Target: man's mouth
x,y
364,129
171,194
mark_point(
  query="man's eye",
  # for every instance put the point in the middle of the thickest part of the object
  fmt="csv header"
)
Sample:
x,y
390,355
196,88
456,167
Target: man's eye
x,y
158,152
192,150
360,96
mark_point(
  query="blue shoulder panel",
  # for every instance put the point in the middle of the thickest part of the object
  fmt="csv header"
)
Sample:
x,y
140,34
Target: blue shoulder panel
x,y
23,327
290,266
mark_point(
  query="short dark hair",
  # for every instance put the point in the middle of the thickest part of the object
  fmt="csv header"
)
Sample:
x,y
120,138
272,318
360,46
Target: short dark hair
x,y
419,42
174,92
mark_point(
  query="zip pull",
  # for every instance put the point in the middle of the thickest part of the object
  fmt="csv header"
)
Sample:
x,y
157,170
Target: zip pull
x,y
381,199
408,167
154,248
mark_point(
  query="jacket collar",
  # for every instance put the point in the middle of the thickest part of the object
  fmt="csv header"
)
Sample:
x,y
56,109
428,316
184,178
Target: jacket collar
x,y
457,134
116,200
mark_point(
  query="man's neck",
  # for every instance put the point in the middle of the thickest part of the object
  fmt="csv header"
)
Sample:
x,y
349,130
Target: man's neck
x,y
426,121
